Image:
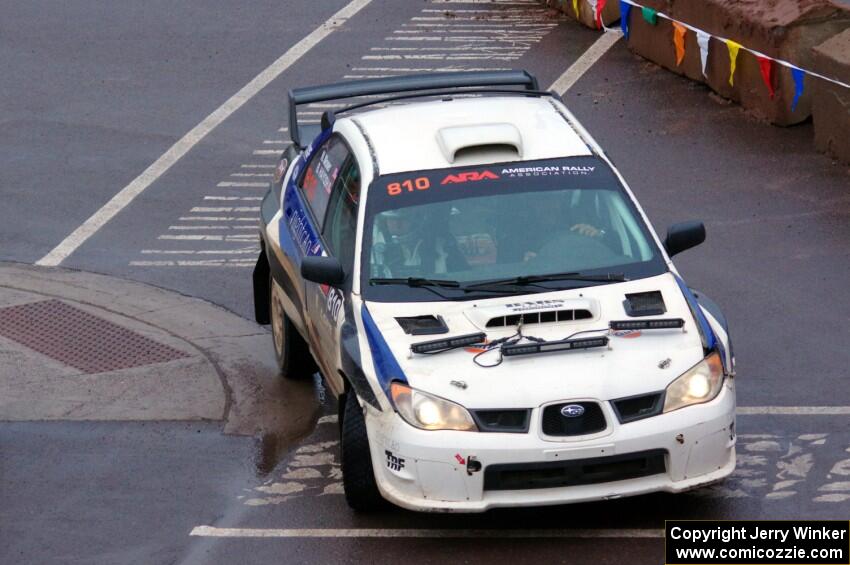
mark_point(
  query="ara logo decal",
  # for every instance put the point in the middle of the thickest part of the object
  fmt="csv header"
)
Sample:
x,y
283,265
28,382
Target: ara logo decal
x,y
393,462
470,176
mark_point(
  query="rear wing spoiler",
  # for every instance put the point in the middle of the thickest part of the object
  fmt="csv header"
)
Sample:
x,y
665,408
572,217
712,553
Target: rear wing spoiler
x,y
411,83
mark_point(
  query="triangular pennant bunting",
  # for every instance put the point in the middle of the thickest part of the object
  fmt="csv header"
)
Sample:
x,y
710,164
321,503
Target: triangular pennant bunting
x,y
799,75
625,11
679,41
733,59
766,67
702,41
650,15
600,5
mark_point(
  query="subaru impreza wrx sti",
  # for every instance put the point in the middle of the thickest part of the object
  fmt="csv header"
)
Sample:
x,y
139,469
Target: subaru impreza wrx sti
x,y
477,285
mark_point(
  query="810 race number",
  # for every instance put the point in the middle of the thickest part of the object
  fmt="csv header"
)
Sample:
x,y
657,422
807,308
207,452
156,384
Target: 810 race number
x,y
409,185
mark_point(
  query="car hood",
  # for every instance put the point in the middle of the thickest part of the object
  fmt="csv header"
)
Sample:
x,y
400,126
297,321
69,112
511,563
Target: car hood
x,y
633,363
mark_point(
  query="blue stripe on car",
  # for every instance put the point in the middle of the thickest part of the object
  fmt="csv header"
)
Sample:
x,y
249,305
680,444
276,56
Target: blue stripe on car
x,y
386,367
710,340
705,328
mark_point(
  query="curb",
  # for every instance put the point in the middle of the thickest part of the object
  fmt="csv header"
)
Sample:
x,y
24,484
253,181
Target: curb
x,y
225,370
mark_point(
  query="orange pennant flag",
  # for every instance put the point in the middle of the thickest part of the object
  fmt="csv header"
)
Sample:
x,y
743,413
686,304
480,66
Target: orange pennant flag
x,y
679,40
733,59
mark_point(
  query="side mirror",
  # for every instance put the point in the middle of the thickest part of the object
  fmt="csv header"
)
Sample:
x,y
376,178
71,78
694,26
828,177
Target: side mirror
x,y
322,270
683,236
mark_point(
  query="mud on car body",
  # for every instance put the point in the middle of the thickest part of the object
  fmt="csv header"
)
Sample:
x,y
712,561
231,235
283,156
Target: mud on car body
x,y
476,283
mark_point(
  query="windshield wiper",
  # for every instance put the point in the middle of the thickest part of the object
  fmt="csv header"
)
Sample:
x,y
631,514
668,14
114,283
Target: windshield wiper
x,y
417,281
531,280
430,284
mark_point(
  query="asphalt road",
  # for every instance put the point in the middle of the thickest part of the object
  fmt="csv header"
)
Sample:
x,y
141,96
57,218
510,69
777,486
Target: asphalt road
x,y
100,91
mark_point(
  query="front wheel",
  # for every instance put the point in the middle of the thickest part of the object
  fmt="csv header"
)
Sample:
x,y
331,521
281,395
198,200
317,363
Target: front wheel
x,y
294,360
358,476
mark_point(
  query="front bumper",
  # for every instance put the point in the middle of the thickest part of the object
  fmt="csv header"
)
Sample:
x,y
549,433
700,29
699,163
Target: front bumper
x,y
431,470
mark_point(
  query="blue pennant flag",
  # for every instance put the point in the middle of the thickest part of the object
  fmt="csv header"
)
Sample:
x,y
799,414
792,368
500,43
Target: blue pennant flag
x,y
798,75
625,9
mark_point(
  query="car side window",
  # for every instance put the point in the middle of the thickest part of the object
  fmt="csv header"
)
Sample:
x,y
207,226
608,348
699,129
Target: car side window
x,y
321,173
340,229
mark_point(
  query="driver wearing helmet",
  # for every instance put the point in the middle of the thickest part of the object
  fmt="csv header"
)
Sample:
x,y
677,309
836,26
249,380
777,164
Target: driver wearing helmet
x,y
411,245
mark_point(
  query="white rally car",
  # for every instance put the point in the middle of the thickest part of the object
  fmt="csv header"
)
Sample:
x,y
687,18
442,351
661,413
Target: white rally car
x,y
478,286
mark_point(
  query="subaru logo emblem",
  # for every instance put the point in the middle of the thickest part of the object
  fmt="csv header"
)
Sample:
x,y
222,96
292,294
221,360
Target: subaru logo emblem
x,y
572,411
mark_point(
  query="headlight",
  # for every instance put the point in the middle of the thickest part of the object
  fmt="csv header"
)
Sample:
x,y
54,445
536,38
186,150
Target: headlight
x,y
699,384
429,412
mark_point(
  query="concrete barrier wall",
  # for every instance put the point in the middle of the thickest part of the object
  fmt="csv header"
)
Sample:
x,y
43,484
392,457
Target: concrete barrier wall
x,y
830,102
812,34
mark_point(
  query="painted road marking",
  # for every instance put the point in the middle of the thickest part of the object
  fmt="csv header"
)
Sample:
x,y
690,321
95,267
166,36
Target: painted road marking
x,y
246,251
196,134
602,533
217,219
210,237
587,59
794,410
226,209
189,263
219,227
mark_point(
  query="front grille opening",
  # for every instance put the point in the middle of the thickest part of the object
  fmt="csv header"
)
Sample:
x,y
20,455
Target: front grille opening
x,y
638,407
509,420
590,422
644,304
522,476
540,318
423,325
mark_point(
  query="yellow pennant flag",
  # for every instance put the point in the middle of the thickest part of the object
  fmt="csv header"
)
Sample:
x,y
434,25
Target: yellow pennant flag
x,y
733,58
575,9
679,41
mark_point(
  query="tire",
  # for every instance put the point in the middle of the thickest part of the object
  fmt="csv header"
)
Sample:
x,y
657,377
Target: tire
x,y
358,476
294,360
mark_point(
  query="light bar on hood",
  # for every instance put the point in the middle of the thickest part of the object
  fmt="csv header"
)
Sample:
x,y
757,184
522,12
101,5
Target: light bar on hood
x,y
549,346
436,345
658,324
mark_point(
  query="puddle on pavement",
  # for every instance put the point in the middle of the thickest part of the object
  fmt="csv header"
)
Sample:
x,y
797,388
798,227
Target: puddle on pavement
x,y
272,445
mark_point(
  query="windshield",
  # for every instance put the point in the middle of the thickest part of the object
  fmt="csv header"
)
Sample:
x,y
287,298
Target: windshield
x,y
477,224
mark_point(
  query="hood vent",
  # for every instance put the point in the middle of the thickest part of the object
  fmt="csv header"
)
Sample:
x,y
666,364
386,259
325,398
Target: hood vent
x,y
539,318
475,142
423,325
644,304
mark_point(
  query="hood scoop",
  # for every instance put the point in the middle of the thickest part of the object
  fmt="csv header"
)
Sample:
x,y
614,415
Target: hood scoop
x,y
533,312
644,304
423,325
